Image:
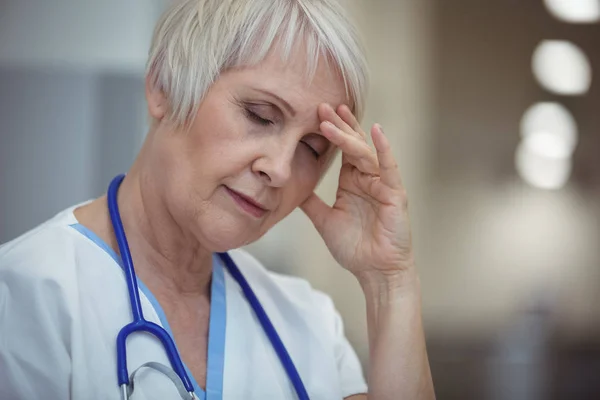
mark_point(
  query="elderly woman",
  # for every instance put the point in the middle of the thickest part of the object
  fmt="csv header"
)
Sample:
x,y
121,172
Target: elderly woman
x,y
250,100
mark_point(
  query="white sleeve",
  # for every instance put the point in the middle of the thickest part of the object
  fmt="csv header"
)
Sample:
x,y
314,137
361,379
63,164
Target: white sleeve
x,y
350,373
350,370
34,335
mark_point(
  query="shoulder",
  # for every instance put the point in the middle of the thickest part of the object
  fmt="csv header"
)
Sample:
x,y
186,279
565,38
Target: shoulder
x,y
44,254
289,293
37,296
308,320
263,279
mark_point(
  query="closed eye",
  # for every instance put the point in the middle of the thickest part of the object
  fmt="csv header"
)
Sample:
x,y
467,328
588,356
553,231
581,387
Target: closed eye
x,y
316,144
314,152
254,117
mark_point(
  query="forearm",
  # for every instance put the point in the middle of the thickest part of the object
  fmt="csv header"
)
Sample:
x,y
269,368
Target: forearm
x,y
398,367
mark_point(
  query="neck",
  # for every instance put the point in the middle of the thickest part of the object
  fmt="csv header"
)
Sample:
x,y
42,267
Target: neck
x,y
167,258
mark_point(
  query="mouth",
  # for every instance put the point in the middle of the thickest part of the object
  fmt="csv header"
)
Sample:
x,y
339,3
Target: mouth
x,y
247,204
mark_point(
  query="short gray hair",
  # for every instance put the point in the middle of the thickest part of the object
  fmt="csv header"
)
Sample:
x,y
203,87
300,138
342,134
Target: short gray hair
x,y
195,40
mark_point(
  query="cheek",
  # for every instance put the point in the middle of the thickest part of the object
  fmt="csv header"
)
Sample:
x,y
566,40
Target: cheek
x,y
216,141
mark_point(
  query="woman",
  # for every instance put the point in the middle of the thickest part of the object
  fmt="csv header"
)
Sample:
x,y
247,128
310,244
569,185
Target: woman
x,y
250,101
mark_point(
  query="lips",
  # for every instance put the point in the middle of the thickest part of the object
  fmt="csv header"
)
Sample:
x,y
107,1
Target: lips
x,y
247,204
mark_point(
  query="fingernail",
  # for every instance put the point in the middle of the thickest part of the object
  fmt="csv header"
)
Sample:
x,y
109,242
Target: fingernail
x,y
380,128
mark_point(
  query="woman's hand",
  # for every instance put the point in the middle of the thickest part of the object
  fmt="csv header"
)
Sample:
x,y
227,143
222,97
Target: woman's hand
x,y
367,229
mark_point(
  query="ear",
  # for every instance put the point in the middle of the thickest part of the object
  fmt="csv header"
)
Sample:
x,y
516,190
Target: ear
x,y
156,99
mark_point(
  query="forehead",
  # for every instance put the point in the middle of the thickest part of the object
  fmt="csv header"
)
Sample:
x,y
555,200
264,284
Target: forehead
x,y
291,80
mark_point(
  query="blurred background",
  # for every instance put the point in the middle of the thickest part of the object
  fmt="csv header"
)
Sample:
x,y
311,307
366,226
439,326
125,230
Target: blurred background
x,y
493,108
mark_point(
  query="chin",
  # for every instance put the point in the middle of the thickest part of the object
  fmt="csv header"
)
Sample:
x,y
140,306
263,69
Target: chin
x,y
220,246
226,234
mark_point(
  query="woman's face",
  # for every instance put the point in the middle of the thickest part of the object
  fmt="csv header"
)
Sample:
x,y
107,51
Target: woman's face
x,y
252,155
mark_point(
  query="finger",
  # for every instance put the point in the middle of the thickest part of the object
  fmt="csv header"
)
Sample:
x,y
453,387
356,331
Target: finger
x,y
346,114
380,192
327,113
369,187
355,150
388,168
316,210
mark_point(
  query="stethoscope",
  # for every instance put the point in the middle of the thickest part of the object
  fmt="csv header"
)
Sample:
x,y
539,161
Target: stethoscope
x,y
139,324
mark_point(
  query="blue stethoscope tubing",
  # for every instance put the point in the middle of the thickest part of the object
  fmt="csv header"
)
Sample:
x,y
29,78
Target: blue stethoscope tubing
x,y
140,324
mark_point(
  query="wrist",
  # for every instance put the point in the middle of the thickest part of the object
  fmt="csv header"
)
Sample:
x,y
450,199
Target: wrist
x,y
389,287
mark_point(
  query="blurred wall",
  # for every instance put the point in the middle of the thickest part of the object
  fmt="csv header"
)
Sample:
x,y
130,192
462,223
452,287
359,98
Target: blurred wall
x,y
511,275
91,35
72,105
496,242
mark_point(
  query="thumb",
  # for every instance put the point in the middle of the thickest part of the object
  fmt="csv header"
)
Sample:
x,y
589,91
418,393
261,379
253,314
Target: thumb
x,y
316,210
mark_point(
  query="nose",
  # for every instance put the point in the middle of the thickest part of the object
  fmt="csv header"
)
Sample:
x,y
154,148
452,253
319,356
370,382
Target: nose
x,y
275,163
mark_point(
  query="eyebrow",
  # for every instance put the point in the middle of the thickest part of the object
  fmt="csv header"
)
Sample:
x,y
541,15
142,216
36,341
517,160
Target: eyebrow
x,y
284,103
